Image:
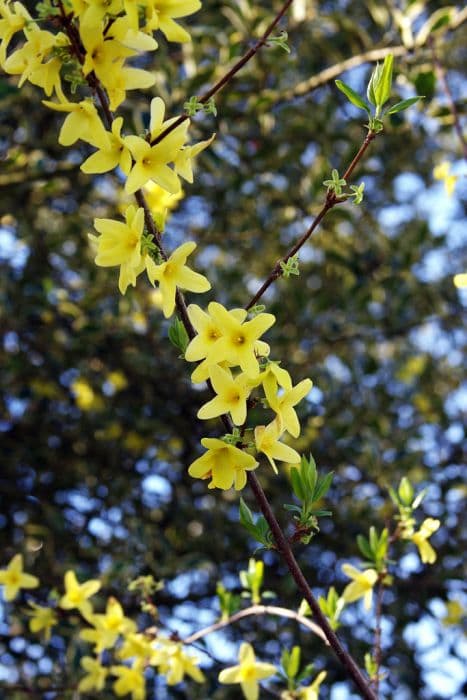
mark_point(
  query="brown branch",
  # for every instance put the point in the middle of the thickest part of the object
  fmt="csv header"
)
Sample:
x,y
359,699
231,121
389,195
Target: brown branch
x,y
286,552
222,82
330,202
257,610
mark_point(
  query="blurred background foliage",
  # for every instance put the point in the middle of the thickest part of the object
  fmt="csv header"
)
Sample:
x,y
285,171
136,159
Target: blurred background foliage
x,y
98,414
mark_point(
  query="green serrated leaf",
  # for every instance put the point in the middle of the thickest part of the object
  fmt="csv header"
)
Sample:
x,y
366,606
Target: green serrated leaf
x,y
352,96
246,516
405,104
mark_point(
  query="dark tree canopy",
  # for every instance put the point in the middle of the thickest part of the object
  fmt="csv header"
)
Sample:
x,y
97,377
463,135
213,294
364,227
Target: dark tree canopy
x,y
98,416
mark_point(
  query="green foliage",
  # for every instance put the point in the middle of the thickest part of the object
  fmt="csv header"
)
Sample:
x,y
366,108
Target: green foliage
x,y
229,603
331,606
257,528
309,488
290,267
374,548
178,335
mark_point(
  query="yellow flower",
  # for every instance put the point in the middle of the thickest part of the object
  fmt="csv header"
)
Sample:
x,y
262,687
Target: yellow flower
x,y
231,396
135,645
95,675
161,202
29,57
172,661
83,122
267,441
161,14
238,339
420,538
284,403
182,162
13,578
442,172
112,154
108,627
174,273
76,594
224,464
272,377
13,17
311,692
42,618
120,244
361,586
248,672
151,162
131,680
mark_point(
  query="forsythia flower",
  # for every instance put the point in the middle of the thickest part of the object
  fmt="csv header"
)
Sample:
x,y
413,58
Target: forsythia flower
x,y
224,336
224,464
161,202
174,662
311,692
131,680
83,122
29,57
420,538
231,396
13,578
76,594
442,172
151,162
284,403
108,627
248,672
110,155
95,675
13,18
135,644
267,441
120,244
182,163
361,586
174,273
161,14
42,618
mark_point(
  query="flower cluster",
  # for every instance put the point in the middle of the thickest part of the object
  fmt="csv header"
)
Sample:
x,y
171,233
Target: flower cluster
x,y
227,347
92,54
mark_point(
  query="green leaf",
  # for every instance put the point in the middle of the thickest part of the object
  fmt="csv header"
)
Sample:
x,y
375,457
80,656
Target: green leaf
x,y
352,96
322,486
364,546
297,485
405,491
178,335
405,104
382,87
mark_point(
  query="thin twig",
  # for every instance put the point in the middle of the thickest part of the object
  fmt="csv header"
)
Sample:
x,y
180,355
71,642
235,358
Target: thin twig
x,y
222,82
377,648
257,610
330,202
286,551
